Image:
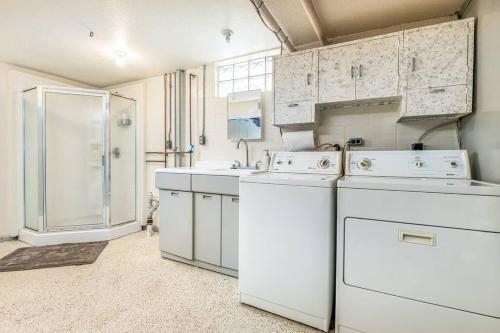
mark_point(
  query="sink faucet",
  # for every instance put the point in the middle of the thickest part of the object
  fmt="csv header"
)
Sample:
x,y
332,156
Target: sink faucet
x,y
246,147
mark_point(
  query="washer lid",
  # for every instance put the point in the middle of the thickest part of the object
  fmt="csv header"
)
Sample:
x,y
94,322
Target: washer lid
x,y
434,185
312,180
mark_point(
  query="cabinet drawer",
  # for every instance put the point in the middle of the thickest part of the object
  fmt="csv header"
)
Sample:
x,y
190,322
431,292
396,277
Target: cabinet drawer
x,y
215,184
454,268
173,181
207,228
294,113
439,101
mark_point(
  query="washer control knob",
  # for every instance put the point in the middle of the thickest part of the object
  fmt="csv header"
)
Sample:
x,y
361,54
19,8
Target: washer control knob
x,y
419,164
364,163
289,162
324,163
453,164
279,161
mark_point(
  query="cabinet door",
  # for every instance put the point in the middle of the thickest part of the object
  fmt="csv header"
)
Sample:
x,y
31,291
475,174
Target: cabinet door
x,y
437,56
295,77
207,228
437,101
294,113
337,74
378,68
176,223
230,207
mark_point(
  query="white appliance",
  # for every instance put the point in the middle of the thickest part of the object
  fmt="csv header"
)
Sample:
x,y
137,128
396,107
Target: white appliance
x,y
418,245
287,242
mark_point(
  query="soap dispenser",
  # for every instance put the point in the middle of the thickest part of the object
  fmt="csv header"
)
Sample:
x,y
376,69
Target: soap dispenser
x,y
267,160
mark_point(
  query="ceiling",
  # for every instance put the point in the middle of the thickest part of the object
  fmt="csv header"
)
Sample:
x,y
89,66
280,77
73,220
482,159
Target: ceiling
x,y
158,36
344,17
163,35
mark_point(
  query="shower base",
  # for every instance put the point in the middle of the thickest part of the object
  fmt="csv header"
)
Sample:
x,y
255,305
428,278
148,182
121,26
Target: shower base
x,y
76,236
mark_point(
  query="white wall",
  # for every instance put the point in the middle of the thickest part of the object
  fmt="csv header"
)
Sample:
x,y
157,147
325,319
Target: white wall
x,y
13,80
481,130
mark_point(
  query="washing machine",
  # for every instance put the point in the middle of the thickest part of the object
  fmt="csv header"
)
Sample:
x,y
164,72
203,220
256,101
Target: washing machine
x,y
287,236
418,245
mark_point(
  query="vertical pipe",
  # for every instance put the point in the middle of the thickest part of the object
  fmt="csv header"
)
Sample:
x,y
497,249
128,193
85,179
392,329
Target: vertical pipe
x,y
165,116
191,76
204,100
169,145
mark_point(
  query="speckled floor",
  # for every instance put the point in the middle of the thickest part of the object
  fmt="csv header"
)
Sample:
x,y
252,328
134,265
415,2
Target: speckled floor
x,y
128,289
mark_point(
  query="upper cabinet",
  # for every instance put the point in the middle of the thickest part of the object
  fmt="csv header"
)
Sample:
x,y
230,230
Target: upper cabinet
x,y
295,87
428,69
437,56
438,62
337,74
362,70
378,68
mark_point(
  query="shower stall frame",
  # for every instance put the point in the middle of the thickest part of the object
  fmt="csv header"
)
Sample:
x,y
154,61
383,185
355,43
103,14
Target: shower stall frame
x,y
89,232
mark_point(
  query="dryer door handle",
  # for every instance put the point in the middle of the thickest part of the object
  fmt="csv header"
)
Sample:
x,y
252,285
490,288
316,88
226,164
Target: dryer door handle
x,y
415,237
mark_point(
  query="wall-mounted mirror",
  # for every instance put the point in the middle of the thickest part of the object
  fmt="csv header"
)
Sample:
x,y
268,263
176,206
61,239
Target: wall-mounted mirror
x,y
244,115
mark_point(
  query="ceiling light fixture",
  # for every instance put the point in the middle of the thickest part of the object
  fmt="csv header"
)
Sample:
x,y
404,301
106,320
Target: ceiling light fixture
x,y
227,33
120,57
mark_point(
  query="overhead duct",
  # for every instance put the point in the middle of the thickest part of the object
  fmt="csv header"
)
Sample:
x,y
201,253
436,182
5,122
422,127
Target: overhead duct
x,y
269,21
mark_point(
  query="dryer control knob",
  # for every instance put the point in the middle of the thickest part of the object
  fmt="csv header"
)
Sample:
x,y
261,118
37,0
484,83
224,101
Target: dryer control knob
x,y
453,164
364,163
419,164
324,163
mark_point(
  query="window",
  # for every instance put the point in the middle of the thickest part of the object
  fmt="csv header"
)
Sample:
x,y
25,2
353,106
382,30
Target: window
x,y
243,75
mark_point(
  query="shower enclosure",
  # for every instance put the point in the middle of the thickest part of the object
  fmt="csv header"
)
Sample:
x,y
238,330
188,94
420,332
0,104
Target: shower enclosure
x,y
79,160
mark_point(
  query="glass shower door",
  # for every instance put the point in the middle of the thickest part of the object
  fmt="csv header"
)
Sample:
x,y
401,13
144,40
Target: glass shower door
x,y
75,188
122,140
33,213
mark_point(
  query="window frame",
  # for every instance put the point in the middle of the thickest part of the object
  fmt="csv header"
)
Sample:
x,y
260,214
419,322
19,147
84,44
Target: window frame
x,y
267,74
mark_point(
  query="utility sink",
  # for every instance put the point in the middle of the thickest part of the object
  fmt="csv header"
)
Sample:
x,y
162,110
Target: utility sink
x,y
219,180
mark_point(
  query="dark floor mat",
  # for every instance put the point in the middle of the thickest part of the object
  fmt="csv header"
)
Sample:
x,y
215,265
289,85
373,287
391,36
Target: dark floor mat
x,y
35,257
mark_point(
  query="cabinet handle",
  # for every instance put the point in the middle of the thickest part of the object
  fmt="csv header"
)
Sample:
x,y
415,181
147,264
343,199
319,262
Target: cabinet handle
x,y
309,76
293,105
352,72
235,200
207,196
174,194
413,64
417,238
437,91
360,73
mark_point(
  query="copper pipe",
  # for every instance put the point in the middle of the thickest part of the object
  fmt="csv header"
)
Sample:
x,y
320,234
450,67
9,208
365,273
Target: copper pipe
x,y
154,161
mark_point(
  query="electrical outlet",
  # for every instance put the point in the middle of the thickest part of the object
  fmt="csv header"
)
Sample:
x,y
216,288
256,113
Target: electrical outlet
x,y
168,144
202,139
356,141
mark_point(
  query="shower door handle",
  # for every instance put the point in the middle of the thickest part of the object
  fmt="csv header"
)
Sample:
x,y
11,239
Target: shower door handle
x,y
116,152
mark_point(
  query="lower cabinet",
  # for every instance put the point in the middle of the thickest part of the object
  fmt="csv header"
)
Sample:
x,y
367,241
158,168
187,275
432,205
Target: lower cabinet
x,y
200,227
207,228
229,246
176,223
